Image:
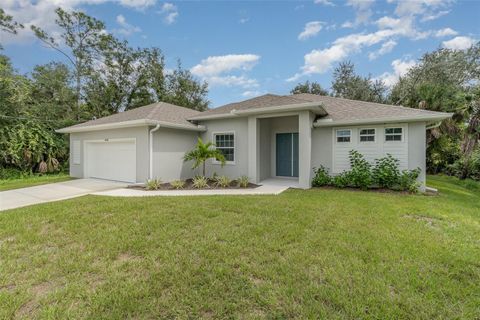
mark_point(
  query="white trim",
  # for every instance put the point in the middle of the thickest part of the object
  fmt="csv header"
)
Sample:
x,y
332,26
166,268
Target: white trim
x,y
85,142
214,161
315,107
367,135
150,151
130,123
330,122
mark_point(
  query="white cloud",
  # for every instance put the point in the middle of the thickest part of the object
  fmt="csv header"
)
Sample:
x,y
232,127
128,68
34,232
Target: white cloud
x,y
445,33
363,12
41,13
138,4
384,49
126,28
434,16
459,43
324,2
169,12
400,68
216,65
243,20
216,70
311,29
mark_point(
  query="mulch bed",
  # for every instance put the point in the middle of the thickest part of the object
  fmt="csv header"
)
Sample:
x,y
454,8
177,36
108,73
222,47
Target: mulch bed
x,y
189,186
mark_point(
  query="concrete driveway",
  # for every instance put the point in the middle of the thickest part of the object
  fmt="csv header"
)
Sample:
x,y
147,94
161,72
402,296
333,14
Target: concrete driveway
x,y
54,191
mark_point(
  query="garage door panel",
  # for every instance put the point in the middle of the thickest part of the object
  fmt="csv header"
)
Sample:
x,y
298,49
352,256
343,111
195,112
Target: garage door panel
x,y
112,160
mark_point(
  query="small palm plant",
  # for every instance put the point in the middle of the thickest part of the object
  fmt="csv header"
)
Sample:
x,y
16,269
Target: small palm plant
x,y
203,152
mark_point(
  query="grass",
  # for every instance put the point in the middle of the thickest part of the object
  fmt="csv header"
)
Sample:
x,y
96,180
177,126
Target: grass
x,y
31,181
303,254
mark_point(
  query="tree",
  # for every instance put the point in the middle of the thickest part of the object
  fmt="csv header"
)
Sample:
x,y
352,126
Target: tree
x,y
185,91
347,84
85,37
309,87
7,24
203,152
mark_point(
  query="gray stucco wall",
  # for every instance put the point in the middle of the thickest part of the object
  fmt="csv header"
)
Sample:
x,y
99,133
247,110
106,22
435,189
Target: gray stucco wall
x,y
417,145
265,149
322,148
139,133
169,147
240,127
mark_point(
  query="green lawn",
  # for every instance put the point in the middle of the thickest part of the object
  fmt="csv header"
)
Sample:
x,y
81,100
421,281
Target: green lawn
x,y
303,254
32,181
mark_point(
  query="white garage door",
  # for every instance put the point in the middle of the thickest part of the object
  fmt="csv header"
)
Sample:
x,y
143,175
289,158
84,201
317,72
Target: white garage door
x,y
111,160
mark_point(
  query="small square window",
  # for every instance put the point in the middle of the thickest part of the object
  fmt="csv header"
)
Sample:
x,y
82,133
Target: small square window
x,y
393,134
343,135
367,135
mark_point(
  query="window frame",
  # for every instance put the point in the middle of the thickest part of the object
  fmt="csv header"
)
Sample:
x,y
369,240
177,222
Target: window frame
x,y
394,134
349,136
214,140
374,135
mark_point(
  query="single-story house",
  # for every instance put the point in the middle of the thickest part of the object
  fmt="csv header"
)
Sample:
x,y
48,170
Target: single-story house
x,y
267,137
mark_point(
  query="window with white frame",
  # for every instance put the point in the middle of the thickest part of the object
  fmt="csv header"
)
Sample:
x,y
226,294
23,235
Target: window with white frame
x,y
393,134
225,143
367,135
344,135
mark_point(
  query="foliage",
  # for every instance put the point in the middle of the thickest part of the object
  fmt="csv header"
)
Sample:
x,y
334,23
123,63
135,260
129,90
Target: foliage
x,y
243,181
203,152
347,84
407,180
385,172
7,24
321,177
222,181
153,184
309,87
177,184
15,179
200,182
466,167
341,180
360,175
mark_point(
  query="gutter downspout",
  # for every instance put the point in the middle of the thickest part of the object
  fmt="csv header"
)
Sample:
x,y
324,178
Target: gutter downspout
x,y
150,173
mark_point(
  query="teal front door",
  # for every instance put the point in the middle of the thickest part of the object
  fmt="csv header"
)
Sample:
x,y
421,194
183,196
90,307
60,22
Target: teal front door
x,y
287,154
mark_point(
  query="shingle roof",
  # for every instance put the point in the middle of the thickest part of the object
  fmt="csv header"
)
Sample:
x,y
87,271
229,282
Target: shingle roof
x,y
267,100
339,109
160,111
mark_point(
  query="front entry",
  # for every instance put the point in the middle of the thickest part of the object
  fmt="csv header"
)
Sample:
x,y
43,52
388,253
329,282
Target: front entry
x,y
287,154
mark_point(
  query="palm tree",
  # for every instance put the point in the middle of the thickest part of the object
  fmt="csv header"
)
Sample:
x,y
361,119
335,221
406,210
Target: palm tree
x,y
203,152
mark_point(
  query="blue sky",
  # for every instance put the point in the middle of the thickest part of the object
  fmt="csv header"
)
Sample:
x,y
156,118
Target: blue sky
x,y
244,49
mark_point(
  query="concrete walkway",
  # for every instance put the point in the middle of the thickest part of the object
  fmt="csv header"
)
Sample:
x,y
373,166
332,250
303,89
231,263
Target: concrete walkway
x,y
17,198
262,190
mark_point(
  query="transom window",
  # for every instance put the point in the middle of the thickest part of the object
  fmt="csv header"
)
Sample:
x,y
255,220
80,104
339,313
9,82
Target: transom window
x,y
344,135
225,143
393,134
367,135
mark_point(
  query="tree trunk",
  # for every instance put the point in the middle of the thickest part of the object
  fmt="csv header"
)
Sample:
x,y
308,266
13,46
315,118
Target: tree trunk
x,y
204,168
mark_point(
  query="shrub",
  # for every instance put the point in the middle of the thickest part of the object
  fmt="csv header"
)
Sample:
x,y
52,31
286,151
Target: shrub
x,y
153,184
386,173
200,182
360,175
321,178
13,173
177,184
407,180
341,180
243,181
222,181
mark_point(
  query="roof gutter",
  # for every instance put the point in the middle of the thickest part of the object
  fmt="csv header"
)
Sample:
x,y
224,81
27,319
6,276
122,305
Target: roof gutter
x,y
331,123
129,124
314,107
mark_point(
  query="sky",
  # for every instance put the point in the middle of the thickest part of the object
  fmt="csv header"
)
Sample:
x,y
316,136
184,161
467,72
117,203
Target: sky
x,y
248,48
